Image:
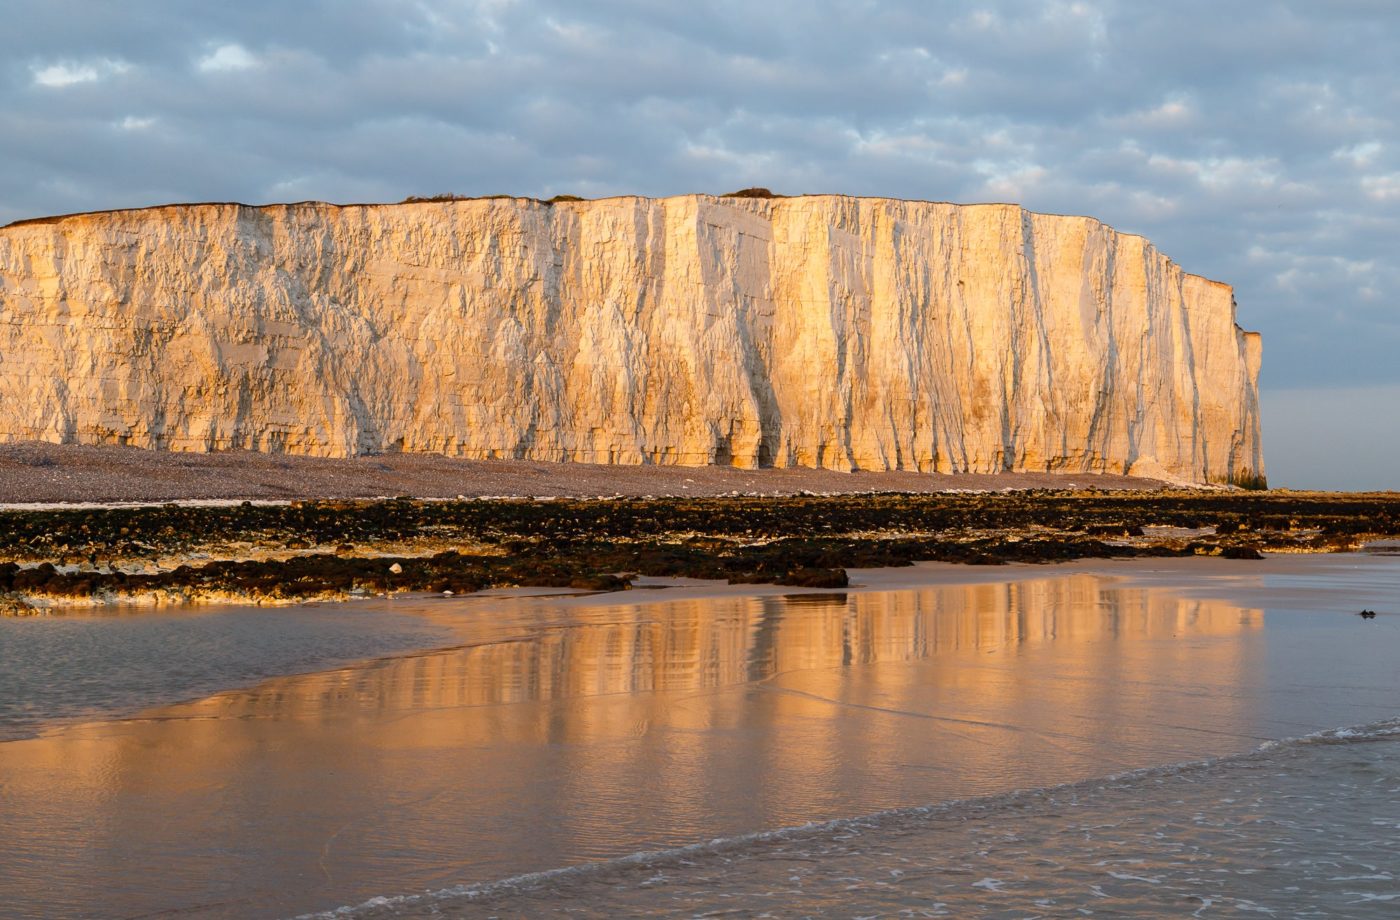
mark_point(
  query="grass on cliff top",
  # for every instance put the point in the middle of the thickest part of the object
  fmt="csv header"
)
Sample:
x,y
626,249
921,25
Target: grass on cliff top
x,y
755,192
449,196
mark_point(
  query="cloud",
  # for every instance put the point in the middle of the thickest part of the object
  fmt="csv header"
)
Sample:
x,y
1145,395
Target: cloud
x,y
226,58
1382,188
70,73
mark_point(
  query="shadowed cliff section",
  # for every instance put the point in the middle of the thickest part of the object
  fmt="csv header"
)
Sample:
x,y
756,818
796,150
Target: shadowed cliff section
x,y
820,331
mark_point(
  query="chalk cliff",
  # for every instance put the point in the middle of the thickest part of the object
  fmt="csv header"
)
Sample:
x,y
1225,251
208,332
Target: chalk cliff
x,y
819,331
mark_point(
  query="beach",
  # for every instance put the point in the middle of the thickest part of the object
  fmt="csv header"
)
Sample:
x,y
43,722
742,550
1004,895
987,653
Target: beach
x,y
37,472
607,753
549,460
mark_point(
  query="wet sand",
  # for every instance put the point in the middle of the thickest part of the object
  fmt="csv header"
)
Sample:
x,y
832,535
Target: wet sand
x,y
39,472
560,731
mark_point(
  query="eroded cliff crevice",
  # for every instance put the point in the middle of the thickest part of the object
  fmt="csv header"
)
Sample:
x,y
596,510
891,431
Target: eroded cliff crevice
x,y
819,331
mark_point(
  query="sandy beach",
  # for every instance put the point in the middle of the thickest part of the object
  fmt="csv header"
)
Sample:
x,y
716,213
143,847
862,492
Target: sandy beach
x,y
34,471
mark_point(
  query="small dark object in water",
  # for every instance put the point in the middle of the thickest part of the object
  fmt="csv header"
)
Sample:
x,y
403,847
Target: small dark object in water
x,y
815,577
815,600
1368,614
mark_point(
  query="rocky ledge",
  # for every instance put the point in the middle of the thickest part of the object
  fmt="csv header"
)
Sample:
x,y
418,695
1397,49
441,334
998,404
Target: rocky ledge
x,y
287,553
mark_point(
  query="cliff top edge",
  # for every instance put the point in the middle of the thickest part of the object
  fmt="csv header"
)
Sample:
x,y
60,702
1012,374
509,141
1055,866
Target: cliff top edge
x,y
562,201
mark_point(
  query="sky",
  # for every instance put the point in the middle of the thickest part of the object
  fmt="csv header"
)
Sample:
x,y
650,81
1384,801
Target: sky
x,y
1256,143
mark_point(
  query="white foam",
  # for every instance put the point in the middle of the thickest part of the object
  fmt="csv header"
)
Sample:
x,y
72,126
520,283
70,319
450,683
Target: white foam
x,y
1374,731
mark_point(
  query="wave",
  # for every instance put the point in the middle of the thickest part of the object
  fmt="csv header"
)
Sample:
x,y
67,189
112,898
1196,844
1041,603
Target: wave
x,y
1375,731
1383,730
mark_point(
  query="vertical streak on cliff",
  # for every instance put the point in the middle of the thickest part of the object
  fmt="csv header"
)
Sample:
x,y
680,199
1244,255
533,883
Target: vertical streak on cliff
x,y
1248,459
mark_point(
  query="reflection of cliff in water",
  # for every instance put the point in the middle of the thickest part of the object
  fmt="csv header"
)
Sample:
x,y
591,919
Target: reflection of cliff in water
x,y
561,732
711,643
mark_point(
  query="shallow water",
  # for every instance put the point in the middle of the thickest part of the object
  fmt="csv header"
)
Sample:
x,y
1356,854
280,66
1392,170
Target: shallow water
x,y
107,663
560,732
1309,828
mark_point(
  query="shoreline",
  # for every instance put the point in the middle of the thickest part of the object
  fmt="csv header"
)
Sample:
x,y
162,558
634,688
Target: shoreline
x,y
1235,582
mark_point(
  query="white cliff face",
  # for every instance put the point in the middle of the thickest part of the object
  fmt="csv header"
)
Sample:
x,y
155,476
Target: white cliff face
x,y
817,331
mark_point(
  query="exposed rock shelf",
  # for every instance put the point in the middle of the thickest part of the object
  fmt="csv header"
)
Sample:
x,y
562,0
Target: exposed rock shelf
x,y
820,331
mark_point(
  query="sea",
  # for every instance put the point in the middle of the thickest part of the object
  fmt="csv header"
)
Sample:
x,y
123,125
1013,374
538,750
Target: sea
x,y
1168,738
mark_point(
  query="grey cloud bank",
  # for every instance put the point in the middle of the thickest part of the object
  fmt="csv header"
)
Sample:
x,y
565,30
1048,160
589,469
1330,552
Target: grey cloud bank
x,y
1253,142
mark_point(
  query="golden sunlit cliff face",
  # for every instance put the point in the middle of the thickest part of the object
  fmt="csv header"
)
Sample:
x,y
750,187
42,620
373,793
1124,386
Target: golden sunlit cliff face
x,y
821,331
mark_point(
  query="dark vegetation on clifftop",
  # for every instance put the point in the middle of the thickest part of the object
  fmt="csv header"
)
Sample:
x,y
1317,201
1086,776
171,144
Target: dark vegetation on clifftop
x,y
411,199
448,196
755,192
